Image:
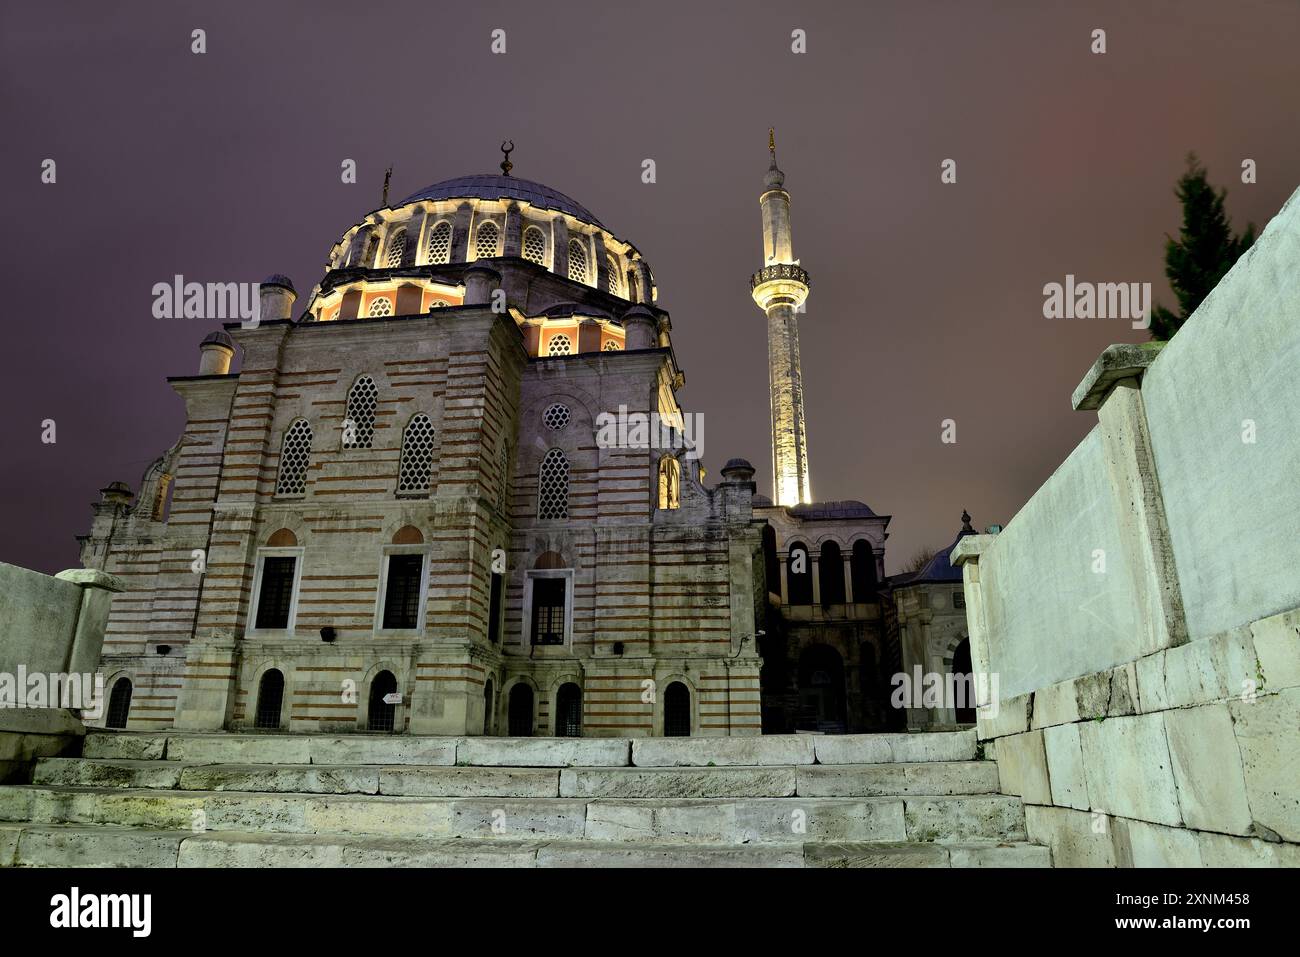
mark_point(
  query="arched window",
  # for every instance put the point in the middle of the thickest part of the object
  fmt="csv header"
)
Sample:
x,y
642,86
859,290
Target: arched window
x,y
553,486
771,564
380,306
485,240
568,711
831,574
295,456
863,571
119,703
559,345
440,244
535,245
382,715
417,455
270,700
396,249
798,574
520,716
488,705
670,481
612,345
612,284
577,261
359,420
677,711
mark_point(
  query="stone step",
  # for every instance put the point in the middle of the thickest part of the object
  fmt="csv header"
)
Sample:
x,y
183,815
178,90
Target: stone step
x,y
54,846
721,821
362,749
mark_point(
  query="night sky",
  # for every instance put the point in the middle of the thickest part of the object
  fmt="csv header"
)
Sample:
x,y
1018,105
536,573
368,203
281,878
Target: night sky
x,y
926,300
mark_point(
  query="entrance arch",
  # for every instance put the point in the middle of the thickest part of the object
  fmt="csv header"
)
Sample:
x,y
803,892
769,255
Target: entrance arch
x,y
677,711
381,715
520,711
568,711
119,703
821,690
270,700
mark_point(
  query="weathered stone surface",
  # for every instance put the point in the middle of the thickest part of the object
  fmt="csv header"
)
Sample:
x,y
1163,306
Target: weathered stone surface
x,y
9,834
1277,650
648,855
252,850
307,779
1210,669
884,748
1065,767
991,817
124,745
1154,845
75,772
359,749
1015,854
1207,769
238,749
701,822
470,782
1128,770
677,782
876,855
1012,717
516,819
882,780
1266,730
1223,850
545,752
1075,838
1022,767
783,749
390,817
98,847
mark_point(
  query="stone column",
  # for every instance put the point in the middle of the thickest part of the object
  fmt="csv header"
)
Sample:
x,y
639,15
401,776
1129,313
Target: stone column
x,y
480,281
966,555
513,239
414,226
1113,387
601,272
560,247
460,233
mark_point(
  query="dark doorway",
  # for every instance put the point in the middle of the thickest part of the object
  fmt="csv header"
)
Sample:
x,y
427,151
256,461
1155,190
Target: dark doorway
x,y
963,684
798,574
677,711
270,700
382,715
862,569
568,711
488,704
521,711
821,690
830,572
119,703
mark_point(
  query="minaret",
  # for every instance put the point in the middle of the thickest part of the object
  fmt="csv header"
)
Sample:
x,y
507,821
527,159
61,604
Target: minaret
x,y
780,288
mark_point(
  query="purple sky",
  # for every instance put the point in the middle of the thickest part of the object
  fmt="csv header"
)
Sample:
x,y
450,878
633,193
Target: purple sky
x,y
927,298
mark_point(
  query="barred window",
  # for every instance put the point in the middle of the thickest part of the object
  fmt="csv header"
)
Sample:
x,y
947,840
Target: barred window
x,y
553,486
440,244
534,245
359,420
612,345
295,456
396,249
556,416
612,284
485,240
559,345
577,261
119,704
381,306
417,455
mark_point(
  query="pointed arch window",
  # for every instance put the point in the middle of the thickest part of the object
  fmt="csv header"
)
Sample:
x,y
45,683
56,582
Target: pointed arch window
x,y
440,244
577,261
396,249
553,486
535,245
559,345
486,239
295,457
417,455
119,703
270,700
359,420
670,482
612,284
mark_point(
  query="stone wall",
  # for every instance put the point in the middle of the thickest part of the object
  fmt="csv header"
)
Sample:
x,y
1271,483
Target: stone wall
x,y
1140,612
48,626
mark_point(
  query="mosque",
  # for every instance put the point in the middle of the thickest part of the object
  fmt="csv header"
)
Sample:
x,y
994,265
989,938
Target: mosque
x,y
397,515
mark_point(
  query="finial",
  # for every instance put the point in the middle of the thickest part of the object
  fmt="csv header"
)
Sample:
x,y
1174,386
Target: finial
x,y
771,143
388,173
507,147
965,521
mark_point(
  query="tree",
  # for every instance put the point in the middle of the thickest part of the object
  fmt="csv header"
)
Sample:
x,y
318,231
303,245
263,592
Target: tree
x,y
1205,250
920,559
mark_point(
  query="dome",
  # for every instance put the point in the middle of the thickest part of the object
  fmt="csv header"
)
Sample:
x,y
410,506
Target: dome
x,y
489,186
279,279
218,338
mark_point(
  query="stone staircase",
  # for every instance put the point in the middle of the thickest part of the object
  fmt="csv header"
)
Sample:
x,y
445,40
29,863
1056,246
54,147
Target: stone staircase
x,y
277,800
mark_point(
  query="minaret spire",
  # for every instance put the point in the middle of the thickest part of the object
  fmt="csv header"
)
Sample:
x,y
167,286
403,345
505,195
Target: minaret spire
x,y
780,288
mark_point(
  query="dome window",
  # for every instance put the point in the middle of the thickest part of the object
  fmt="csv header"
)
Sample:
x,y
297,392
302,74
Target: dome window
x,y
359,420
612,345
612,284
396,249
295,456
485,240
560,345
577,261
380,307
553,486
440,244
534,245
417,455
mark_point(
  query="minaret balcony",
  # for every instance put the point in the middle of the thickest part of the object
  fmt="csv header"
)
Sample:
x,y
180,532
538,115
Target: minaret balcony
x,y
780,284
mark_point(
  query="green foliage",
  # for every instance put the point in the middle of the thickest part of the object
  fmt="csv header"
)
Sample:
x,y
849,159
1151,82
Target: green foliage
x,y
1205,250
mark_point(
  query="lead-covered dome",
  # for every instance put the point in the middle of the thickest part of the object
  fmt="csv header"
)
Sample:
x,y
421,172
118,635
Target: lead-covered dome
x,y
488,186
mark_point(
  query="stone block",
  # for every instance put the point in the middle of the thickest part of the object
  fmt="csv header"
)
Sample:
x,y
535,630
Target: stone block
x,y
1207,769
794,820
1075,838
1013,716
1128,769
98,847
1223,850
883,748
124,745
1065,767
1022,767
876,855
77,772
392,817
677,782
304,779
1277,650
971,818
358,749
519,819
1209,669
1266,729
782,749
886,780
614,854
545,752
238,749
1016,854
1154,845
9,834
470,782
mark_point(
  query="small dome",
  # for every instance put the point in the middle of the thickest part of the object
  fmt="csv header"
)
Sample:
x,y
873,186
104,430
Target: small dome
x,y
279,279
218,338
738,469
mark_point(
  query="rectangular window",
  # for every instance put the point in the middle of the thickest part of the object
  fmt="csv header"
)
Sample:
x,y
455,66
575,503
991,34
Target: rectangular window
x,y
494,609
548,611
402,594
275,598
